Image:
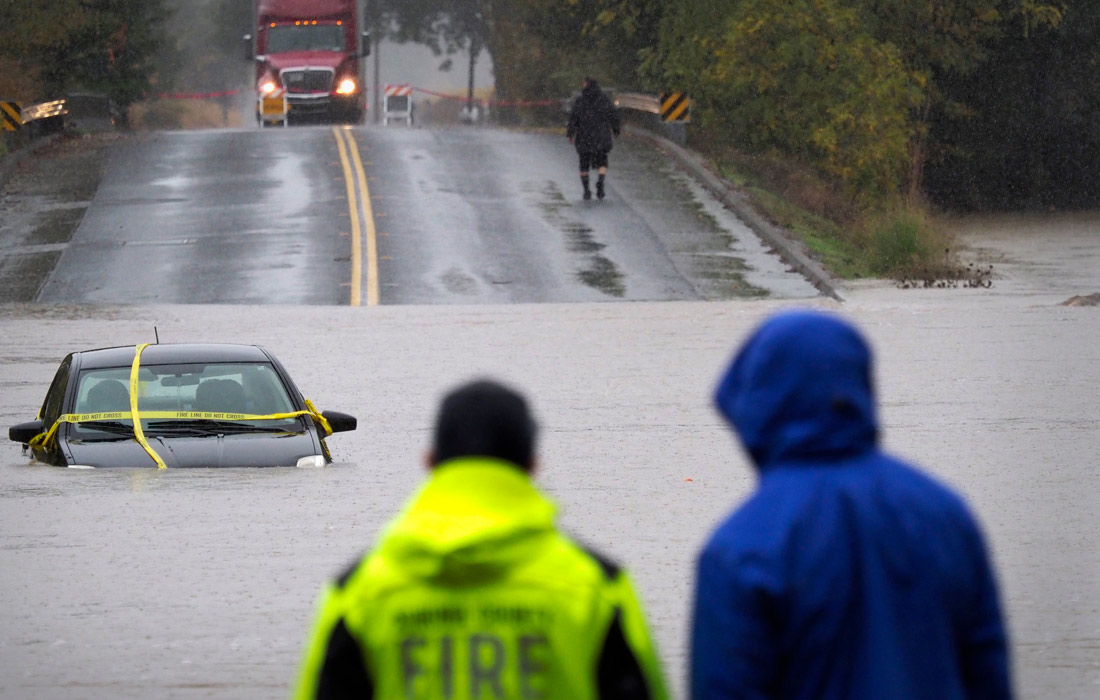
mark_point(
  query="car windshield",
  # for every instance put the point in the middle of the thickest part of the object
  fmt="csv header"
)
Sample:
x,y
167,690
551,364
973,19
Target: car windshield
x,y
214,389
315,37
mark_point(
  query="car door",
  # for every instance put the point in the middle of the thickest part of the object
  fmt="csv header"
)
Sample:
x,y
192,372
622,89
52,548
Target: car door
x,y
52,409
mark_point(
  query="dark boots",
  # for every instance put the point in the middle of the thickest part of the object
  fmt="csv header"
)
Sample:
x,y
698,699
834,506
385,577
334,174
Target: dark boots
x,y
600,194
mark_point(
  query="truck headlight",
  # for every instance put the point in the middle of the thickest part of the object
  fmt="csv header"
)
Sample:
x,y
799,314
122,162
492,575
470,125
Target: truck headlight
x,y
346,87
267,87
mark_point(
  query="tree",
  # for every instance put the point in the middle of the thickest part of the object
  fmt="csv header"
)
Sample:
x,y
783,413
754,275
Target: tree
x,y
807,80
108,48
27,29
620,37
758,70
1030,137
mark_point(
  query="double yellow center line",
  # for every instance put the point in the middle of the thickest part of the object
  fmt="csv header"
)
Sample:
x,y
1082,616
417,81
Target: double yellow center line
x,y
363,233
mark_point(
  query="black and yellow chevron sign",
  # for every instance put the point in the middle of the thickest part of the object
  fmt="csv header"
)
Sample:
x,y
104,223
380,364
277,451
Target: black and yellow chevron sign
x,y
10,116
675,107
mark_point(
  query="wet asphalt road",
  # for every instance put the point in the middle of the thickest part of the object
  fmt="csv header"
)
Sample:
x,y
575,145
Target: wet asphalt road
x,y
200,584
460,216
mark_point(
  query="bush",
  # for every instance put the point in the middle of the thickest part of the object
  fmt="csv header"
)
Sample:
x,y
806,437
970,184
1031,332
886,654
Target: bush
x,y
805,79
898,242
158,114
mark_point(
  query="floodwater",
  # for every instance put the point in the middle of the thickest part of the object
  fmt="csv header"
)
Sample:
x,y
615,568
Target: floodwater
x,y
196,584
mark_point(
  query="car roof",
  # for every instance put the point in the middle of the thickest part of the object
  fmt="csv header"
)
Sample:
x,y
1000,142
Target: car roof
x,y
171,353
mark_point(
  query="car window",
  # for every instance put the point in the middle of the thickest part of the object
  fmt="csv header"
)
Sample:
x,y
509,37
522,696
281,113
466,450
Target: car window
x,y
251,388
55,397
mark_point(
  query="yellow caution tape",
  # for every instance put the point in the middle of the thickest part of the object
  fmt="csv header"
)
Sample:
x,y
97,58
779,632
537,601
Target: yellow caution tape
x,y
139,435
43,438
317,417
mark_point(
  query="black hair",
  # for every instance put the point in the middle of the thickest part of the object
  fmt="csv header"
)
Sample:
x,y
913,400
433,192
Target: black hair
x,y
485,419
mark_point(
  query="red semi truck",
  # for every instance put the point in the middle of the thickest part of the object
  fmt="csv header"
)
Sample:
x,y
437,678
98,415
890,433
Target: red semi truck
x,y
310,49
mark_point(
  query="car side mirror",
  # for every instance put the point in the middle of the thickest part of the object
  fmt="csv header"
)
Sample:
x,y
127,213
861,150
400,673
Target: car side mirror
x,y
339,422
248,55
365,50
25,432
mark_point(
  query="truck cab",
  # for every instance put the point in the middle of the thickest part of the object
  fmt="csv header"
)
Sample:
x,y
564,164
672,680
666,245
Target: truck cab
x,y
310,51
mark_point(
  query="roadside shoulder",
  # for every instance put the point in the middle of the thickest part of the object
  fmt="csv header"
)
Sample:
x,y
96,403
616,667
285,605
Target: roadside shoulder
x,y
42,203
785,245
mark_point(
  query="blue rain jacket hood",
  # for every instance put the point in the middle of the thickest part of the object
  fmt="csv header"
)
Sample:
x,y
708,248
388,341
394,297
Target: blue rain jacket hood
x,y
801,389
848,574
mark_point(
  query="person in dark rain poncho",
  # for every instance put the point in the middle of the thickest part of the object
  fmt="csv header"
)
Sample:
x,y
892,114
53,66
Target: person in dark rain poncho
x,y
848,573
593,121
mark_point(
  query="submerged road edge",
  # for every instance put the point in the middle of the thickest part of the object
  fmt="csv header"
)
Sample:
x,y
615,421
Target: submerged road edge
x,y
783,243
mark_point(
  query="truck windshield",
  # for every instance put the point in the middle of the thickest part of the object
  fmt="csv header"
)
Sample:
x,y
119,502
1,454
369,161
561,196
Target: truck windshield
x,y
314,37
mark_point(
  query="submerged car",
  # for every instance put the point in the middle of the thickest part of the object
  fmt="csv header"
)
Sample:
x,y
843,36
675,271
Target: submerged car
x,y
178,405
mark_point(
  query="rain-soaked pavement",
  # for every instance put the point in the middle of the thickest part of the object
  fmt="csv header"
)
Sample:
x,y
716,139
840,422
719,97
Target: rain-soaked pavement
x,y
195,584
458,216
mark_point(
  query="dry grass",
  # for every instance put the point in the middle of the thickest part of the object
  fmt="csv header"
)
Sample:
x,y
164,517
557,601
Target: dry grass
x,y
175,114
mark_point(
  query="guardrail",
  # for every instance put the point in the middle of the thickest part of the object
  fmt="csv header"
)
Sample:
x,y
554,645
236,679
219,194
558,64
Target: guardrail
x,y
46,110
22,126
22,130
667,114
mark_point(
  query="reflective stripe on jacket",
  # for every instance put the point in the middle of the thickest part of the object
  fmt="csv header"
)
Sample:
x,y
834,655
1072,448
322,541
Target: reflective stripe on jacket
x,y
472,593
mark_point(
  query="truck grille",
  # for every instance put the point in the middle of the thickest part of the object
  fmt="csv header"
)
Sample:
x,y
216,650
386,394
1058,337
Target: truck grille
x,y
307,80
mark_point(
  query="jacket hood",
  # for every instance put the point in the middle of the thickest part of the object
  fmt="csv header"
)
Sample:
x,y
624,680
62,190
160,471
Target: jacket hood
x,y
472,520
592,90
800,389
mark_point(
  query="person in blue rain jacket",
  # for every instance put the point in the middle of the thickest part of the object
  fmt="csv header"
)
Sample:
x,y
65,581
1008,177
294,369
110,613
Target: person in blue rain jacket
x,y
848,573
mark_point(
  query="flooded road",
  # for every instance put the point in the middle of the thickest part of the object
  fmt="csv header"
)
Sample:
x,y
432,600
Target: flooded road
x,y
200,584
194,584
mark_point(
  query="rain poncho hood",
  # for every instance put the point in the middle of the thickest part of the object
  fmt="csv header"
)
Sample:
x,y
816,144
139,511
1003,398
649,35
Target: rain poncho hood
x,y
472,520
801,389
848,574
593,120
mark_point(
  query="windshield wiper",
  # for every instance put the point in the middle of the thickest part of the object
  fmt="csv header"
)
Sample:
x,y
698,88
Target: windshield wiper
x,y
108,426
213,427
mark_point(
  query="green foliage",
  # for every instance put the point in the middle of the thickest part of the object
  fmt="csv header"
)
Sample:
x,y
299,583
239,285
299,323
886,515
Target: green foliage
x,y
27,29
807,79
849,87
101,46
446,26
28,26
900,240
1031,140
202,48
622,35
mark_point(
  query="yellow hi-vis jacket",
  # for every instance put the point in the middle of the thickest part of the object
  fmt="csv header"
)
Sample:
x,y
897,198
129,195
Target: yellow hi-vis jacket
x,y
473,594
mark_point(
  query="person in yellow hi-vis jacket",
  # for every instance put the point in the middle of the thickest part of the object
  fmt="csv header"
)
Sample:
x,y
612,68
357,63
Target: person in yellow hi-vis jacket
x,y
472,593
